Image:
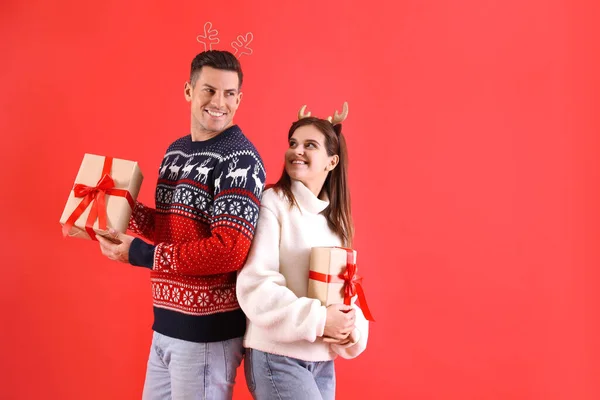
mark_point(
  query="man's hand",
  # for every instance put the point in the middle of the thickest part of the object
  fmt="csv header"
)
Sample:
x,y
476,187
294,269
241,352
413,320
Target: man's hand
x,y
116,247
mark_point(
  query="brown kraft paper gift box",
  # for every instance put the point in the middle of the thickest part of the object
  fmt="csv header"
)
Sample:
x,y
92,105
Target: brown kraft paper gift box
x,y
126,176
328,261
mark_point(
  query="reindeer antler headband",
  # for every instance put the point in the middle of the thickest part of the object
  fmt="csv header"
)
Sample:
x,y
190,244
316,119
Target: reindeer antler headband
x,y
336,119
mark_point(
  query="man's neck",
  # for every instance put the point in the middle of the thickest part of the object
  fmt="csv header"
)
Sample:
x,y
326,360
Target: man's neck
x,y
201,135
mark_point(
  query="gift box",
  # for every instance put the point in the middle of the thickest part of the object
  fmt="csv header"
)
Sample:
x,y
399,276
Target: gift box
x,y
103,197
333,278
327,264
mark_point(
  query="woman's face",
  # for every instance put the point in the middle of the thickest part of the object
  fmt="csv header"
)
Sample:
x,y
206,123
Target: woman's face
x,y
306,158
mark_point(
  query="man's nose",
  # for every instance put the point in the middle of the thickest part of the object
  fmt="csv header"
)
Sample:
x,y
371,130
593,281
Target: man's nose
x,y
218,100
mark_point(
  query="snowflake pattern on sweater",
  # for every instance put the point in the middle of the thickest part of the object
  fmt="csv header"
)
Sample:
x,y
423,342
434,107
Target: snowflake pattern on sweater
x,y
207,202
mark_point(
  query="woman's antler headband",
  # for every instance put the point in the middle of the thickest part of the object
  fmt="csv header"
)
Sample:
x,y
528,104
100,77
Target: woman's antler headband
x,y
336,119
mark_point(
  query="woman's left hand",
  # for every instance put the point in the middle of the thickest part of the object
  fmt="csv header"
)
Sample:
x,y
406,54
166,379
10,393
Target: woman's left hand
x,y
341,342
336,341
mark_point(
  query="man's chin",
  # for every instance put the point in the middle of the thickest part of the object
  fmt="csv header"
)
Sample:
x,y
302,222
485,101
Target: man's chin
x,y
217,126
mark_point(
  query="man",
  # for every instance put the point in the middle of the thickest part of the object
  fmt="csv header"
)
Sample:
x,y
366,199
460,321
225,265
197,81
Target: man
x,y
207,201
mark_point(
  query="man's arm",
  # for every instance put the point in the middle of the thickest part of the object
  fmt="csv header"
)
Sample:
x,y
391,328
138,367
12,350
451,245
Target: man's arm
x,y
142,221
232,223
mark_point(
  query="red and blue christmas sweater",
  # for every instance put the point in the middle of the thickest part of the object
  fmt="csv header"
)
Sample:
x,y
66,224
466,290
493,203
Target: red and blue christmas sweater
x,y
207,202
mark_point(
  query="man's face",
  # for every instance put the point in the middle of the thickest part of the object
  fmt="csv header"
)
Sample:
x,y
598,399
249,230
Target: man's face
x,y
214,100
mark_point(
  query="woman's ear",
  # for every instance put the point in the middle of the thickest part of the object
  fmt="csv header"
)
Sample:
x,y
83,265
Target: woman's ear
x,y
333,162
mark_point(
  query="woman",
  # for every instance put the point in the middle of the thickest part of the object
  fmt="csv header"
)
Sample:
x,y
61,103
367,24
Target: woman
x,y
292,340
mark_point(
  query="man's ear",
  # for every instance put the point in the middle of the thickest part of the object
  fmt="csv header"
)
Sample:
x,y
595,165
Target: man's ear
x,y
187,91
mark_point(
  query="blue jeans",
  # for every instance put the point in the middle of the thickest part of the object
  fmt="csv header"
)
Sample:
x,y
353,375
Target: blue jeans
x,y
270,376
178,369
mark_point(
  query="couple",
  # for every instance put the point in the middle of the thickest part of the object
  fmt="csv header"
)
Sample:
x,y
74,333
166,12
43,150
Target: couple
x,y
207,226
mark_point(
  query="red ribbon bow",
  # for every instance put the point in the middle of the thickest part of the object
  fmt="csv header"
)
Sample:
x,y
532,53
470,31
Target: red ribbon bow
x,y
96,196
352,283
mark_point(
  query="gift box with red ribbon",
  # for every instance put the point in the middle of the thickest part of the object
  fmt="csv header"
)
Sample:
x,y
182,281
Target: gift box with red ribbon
x,y
103,197
333,278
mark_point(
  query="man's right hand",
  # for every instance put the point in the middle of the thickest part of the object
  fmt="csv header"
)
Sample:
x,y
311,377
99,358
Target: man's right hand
x,y
340,321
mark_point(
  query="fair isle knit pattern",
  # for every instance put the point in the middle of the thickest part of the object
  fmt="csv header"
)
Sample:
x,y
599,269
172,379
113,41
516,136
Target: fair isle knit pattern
x,y
207,202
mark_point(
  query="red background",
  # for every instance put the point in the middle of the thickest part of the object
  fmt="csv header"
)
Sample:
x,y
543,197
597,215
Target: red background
x,y
473,135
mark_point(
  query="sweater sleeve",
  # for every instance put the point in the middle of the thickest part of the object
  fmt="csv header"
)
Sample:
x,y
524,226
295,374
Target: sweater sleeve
x,y
264,296
359,337
142,221
232,223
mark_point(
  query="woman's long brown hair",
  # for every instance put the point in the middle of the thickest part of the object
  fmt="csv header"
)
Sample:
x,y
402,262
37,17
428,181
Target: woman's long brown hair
x,y
339,211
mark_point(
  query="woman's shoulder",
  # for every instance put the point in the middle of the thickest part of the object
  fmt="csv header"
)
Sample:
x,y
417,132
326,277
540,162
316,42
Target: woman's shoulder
x,y
272,198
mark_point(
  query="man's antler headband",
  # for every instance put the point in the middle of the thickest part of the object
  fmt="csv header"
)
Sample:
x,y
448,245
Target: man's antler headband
x,y
336,119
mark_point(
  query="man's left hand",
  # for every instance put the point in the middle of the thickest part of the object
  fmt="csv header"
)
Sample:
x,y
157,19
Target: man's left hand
x,y
117,247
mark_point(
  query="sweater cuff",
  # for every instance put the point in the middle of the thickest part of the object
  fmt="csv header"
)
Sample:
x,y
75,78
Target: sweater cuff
x,y
141,254
322,321
354,338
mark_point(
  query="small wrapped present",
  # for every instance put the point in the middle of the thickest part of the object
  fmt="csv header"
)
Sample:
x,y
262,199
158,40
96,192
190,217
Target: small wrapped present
x,y
103,197
333,277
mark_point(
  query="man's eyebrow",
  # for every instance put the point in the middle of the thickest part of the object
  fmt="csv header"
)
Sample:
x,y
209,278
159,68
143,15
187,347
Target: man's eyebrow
x,y
214,88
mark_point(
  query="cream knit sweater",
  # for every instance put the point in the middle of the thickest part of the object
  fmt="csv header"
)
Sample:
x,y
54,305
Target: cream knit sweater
x,y
272,286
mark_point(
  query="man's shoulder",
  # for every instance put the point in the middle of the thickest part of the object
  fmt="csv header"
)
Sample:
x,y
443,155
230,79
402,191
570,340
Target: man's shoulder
x,y
180,143
241,144
244,156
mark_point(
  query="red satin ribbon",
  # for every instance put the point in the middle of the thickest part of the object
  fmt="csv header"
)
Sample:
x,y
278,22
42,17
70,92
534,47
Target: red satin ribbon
x,y
352,282
96,196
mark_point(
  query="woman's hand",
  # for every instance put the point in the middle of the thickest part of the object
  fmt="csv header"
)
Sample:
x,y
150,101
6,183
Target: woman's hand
x,y
339,322
341,342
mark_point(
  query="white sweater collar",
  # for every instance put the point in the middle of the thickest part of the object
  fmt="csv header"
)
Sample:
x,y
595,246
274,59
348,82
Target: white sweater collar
x,y
307,199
